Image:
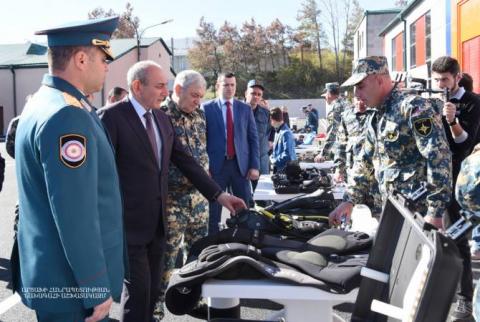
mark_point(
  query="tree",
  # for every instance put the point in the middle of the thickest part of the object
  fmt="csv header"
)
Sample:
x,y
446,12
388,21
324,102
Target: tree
x,y
127,23
353,17
401,3
278,35
310,26
206,55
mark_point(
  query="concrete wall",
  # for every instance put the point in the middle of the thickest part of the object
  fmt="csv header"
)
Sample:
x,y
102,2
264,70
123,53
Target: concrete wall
x,y
27,82
360,40
295,106
6,96
375,24
117,74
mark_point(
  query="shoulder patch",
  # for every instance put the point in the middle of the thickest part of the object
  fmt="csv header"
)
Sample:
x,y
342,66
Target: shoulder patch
x,y
73,150
70,100
423,126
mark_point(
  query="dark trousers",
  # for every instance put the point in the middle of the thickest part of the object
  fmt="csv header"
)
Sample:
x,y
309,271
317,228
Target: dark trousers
x,y
142,289
466,282
231,178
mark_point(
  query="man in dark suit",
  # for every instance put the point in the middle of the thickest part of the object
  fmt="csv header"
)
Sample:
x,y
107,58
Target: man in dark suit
x,y
232,145
69,263
145,143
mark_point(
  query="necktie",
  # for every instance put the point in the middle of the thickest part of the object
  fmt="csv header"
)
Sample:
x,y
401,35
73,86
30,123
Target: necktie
x,y
230,144
151,134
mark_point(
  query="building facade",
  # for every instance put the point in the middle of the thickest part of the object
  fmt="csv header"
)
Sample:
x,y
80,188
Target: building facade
x,y
22,67
367,41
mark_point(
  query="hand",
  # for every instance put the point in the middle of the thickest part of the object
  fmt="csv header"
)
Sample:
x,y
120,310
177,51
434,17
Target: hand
x,y
318,158
270,145
434,221
253,174
230,202
449,110
100,311
343,210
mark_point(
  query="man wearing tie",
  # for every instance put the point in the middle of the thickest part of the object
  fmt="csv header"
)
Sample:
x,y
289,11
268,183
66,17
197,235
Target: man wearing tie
x,y
232,145
145,143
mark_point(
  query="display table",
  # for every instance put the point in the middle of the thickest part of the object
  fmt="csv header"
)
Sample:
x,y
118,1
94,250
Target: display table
x,y
301,303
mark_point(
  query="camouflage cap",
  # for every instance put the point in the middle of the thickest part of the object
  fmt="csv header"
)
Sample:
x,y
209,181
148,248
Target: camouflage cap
x,y
331,87
367,66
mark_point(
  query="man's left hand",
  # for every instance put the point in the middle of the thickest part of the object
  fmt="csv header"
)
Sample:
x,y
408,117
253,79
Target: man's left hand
x,y
232,203
253,174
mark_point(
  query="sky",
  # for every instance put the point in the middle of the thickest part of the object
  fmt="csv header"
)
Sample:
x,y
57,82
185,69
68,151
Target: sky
x,y
20,18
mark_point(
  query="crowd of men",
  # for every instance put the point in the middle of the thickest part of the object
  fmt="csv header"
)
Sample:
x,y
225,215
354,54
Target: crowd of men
x,y
111,199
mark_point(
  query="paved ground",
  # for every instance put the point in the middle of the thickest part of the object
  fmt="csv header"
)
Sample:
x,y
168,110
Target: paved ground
x,y
20,313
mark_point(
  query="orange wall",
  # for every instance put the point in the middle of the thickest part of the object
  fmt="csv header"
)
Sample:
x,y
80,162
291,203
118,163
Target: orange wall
x,y
465,23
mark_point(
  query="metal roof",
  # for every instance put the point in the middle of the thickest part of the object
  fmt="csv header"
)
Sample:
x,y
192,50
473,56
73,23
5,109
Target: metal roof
x,y
35,55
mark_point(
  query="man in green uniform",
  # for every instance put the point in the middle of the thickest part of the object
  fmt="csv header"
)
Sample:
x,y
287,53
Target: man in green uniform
x,y
350,139
187,209
69,262
337,105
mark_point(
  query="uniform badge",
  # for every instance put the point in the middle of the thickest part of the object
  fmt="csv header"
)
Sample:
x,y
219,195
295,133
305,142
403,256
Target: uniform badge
x,y
423,127
391,136
73,150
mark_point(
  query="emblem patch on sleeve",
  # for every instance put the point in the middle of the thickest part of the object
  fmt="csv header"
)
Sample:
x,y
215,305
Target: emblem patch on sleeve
x,y
423,127
73,150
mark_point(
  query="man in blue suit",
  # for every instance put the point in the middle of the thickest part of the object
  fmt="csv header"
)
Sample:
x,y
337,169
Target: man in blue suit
x,y
232,145
68,262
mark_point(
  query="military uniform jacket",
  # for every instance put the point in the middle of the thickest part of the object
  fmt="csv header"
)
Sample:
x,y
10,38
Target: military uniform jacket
x,y
70,235
406,136
334,118
190,129
350,137
467,189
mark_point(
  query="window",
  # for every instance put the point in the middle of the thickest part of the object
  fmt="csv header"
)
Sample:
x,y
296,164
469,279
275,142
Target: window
x,y
428,30
412,46
394,54
397,53
420,41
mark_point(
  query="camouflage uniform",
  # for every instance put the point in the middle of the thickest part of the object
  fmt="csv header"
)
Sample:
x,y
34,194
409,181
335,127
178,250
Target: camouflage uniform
x,y
467,190
407,140
187,209
334,118
350,138
406,137
10,139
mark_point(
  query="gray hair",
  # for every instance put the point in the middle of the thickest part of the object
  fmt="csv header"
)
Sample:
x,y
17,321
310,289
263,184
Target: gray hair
x,y
188,78
139,72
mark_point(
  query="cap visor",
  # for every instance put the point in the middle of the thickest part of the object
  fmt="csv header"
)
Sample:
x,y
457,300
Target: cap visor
x,y
108,52
354,79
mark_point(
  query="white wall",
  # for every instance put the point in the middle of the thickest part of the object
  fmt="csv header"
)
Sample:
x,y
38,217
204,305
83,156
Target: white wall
x,y
295,106
362,30
438,34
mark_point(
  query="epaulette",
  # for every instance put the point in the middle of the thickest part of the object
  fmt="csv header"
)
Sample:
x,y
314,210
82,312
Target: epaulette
x,y
71,100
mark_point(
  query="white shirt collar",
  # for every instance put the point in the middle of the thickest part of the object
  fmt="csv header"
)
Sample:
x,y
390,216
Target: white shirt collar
x,y
137,106
458,95
224,101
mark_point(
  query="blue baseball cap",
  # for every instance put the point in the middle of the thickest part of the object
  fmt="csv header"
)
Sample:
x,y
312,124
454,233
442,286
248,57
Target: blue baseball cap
x,y
94,32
